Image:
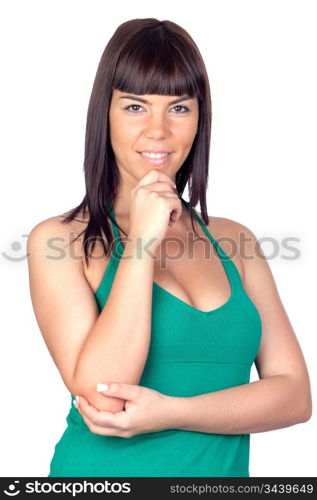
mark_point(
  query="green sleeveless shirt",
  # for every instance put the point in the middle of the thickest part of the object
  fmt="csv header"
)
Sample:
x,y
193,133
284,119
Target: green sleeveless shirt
x,y
191,352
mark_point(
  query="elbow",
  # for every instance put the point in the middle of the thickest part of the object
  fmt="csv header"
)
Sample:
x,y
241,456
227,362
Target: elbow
x,y
304,406
301,398
307,412
101,402
308,404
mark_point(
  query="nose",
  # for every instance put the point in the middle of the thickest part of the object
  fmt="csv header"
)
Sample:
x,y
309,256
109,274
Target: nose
x,y
156,126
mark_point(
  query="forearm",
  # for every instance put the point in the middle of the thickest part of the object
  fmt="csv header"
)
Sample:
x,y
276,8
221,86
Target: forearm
x,y
117,345
267,404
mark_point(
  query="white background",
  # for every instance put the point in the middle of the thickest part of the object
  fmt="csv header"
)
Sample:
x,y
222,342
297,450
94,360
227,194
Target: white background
x,y
261,61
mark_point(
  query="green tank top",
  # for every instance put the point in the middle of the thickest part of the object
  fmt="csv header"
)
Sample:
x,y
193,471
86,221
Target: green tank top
x,y
191,352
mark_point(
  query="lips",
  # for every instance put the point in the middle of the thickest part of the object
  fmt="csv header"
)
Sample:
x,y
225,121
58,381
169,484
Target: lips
x,y
154,151
155,155
155,160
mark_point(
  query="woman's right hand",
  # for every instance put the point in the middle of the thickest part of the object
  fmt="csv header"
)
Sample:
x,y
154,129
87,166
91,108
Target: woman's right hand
x,y
154,206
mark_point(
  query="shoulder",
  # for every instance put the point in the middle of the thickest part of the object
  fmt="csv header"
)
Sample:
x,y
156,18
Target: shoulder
x,y
244,237
229,225
54,237
59,225
238,241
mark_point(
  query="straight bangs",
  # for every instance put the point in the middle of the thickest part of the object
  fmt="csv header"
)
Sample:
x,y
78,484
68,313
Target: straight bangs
x,y
154,65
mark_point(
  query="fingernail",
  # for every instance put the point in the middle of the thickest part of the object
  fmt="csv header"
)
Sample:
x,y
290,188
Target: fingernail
x,y
174,184
101,387
75,403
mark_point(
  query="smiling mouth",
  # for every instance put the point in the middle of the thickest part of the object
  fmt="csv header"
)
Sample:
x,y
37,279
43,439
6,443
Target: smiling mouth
x,y
154,155
155,159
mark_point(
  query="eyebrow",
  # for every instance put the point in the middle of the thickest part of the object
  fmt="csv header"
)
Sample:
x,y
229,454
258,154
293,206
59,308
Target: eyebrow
x,y
135,98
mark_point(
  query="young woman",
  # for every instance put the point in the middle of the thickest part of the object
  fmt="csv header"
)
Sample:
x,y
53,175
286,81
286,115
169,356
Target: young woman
x,y
152,325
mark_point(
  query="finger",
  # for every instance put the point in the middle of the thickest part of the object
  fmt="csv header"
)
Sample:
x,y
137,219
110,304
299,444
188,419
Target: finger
x,y
101,429
118,425
97,417
154,176
175,212
161,186
119,390
168,194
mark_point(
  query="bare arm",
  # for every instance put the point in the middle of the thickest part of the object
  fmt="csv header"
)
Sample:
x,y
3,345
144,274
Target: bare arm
x,y
117,345
264,405
283,396
88,347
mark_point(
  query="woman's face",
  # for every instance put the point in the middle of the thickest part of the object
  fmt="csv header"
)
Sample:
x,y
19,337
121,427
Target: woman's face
x,y
151,122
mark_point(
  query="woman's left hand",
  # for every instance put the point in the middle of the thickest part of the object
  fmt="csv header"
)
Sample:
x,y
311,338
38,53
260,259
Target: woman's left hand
x,y
146,410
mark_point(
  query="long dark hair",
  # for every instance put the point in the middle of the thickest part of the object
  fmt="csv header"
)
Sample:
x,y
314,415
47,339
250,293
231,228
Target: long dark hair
x,y
144,56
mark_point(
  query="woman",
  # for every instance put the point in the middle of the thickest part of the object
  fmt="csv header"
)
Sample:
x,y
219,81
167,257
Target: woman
x,y
156,334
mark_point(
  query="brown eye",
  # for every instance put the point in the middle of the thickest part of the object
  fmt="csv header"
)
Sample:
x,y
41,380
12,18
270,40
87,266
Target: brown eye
x,y
184,107
132,106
